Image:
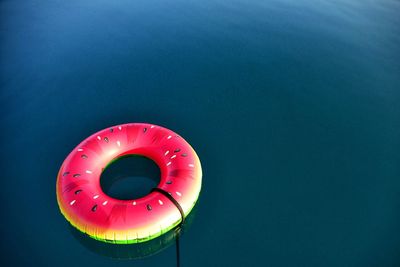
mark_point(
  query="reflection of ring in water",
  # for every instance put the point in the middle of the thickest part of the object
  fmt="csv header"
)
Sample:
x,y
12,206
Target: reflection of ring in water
x,y
133,251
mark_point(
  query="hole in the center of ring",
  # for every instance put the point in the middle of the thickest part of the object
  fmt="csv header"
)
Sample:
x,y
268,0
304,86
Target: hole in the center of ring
x,y
130,177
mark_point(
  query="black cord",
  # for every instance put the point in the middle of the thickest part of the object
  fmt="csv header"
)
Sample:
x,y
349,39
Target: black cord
x,y
176,203
178,258
179,226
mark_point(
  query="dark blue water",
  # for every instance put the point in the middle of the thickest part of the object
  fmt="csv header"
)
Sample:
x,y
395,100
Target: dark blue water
x,y
292,106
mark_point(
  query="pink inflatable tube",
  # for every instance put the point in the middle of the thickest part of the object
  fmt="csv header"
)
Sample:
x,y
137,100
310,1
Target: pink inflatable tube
x,y
90,210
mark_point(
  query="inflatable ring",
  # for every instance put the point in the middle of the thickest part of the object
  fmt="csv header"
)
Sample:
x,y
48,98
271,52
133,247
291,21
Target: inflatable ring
x,y
90,210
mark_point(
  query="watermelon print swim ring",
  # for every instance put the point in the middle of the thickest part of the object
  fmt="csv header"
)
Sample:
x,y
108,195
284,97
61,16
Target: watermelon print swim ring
x,y
90,210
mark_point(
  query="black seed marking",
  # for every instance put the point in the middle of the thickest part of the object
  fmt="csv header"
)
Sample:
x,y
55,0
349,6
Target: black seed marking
x,y
149,207
111,130
177,150
94,208
78,191
184,155
106,139
84,156
76,175
65,173
169,182
144,130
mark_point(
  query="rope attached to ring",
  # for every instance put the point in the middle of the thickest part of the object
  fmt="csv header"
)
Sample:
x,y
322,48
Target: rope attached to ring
x,y
179,226
173,200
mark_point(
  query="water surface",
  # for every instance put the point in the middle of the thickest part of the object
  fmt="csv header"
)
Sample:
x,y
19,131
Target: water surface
x,y
292,106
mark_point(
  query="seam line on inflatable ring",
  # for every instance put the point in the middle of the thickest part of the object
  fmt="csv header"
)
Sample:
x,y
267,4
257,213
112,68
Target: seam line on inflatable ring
x,y
173,200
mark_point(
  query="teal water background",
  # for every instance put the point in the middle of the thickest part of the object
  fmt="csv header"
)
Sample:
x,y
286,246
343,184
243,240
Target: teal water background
x,y
292,106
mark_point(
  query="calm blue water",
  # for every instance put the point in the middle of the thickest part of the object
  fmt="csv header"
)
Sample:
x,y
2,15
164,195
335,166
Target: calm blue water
x,y
292,106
